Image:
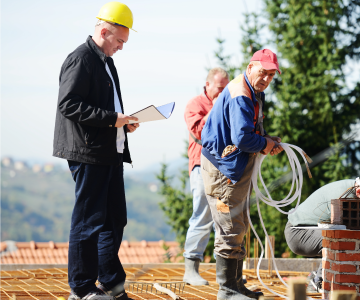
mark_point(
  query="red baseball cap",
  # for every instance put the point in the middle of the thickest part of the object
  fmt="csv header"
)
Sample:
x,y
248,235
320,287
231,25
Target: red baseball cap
x,y
267,59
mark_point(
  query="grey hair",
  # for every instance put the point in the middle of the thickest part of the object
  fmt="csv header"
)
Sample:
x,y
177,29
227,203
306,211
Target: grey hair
x,y
215,71
99,22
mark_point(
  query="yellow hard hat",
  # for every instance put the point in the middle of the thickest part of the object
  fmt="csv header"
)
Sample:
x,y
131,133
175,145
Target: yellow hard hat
x,y
116,13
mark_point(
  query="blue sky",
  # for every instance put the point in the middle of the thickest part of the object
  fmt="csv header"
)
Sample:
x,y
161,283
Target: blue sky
x,y
163,62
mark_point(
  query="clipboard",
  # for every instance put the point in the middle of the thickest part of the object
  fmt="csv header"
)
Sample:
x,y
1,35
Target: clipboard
x,y
152,113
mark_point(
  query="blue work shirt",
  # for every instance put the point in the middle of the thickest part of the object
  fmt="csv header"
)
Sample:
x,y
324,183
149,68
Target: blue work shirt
x,y
231,122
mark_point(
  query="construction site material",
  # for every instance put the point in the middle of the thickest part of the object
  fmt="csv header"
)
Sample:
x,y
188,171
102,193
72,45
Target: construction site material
x,y
286,264
248,245
256,253
346,210
269,241
341,261
330,226
343,295
44,284
294,194
297,289
167,291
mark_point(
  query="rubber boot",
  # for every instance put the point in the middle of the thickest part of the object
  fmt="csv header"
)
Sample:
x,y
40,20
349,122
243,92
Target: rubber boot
x,y
226,278
240,283
192,275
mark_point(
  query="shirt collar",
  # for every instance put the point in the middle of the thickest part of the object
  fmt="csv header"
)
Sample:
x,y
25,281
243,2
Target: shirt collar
x,y
96,49
262,94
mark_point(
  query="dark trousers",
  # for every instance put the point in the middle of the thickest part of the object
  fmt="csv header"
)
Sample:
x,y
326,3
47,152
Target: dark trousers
x,y
97,226
305,242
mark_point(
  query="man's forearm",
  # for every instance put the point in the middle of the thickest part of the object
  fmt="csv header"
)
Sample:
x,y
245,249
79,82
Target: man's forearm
x,y
83,113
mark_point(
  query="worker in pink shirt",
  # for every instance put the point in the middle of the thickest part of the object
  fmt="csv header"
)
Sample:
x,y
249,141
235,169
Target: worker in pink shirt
x,y
196,114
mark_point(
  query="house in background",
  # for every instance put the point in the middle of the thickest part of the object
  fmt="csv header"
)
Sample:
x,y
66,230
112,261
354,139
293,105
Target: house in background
x,y
57,253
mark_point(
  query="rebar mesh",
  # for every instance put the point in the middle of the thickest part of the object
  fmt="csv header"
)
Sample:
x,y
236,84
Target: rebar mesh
x,y
44,284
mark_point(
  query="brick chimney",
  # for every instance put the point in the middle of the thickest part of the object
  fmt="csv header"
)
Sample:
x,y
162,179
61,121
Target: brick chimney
x,y
341,261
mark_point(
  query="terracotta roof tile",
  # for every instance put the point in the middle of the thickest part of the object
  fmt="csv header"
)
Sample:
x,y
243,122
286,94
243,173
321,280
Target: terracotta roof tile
x,y
57,253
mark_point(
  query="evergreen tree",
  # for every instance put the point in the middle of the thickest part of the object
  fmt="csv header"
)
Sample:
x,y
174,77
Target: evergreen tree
x,y
177,205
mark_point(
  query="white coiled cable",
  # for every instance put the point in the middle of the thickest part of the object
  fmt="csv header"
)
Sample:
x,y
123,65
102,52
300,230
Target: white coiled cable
x,y
297,182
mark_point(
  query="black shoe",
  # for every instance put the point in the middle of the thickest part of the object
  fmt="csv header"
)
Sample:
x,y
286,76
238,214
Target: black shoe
x,y
117,292
93,295
226,270
240,283
192,275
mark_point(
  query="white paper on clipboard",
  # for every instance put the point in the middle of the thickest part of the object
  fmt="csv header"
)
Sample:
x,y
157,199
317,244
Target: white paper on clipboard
x,y
152,113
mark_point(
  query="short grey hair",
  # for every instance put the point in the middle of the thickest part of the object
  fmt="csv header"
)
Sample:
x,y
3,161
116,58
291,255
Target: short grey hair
x,y
215,71
99,22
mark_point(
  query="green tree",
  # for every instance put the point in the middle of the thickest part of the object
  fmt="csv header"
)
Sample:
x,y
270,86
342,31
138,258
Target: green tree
x,y
178,205
314,102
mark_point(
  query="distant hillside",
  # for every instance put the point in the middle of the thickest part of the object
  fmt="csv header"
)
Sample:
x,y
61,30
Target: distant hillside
x,y
36,204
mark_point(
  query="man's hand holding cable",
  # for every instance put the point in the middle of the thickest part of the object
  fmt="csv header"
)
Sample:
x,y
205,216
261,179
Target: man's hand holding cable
x,y
123,120
269,146
277,148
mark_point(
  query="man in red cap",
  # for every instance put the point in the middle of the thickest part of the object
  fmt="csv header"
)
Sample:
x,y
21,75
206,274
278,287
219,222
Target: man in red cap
x,y
231,137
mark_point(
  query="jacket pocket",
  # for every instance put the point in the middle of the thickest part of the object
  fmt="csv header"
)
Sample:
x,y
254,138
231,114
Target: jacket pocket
x,y
213,179
91,135
212,184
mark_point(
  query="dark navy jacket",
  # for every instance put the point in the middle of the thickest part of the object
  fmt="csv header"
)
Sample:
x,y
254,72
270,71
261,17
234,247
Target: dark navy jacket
x,y
85,118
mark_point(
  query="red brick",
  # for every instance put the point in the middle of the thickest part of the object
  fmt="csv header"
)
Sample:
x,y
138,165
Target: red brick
x,y
342,245
343,268
330,233
347,256
347,278
340,287
326,243
325,264
324,252
324,232
330,254
326,286
329,276
347,234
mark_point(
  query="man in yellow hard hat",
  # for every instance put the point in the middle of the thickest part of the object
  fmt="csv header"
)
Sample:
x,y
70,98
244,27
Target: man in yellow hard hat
x,y
91,133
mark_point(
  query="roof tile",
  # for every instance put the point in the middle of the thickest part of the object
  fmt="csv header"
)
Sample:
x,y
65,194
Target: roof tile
x,y
55,253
